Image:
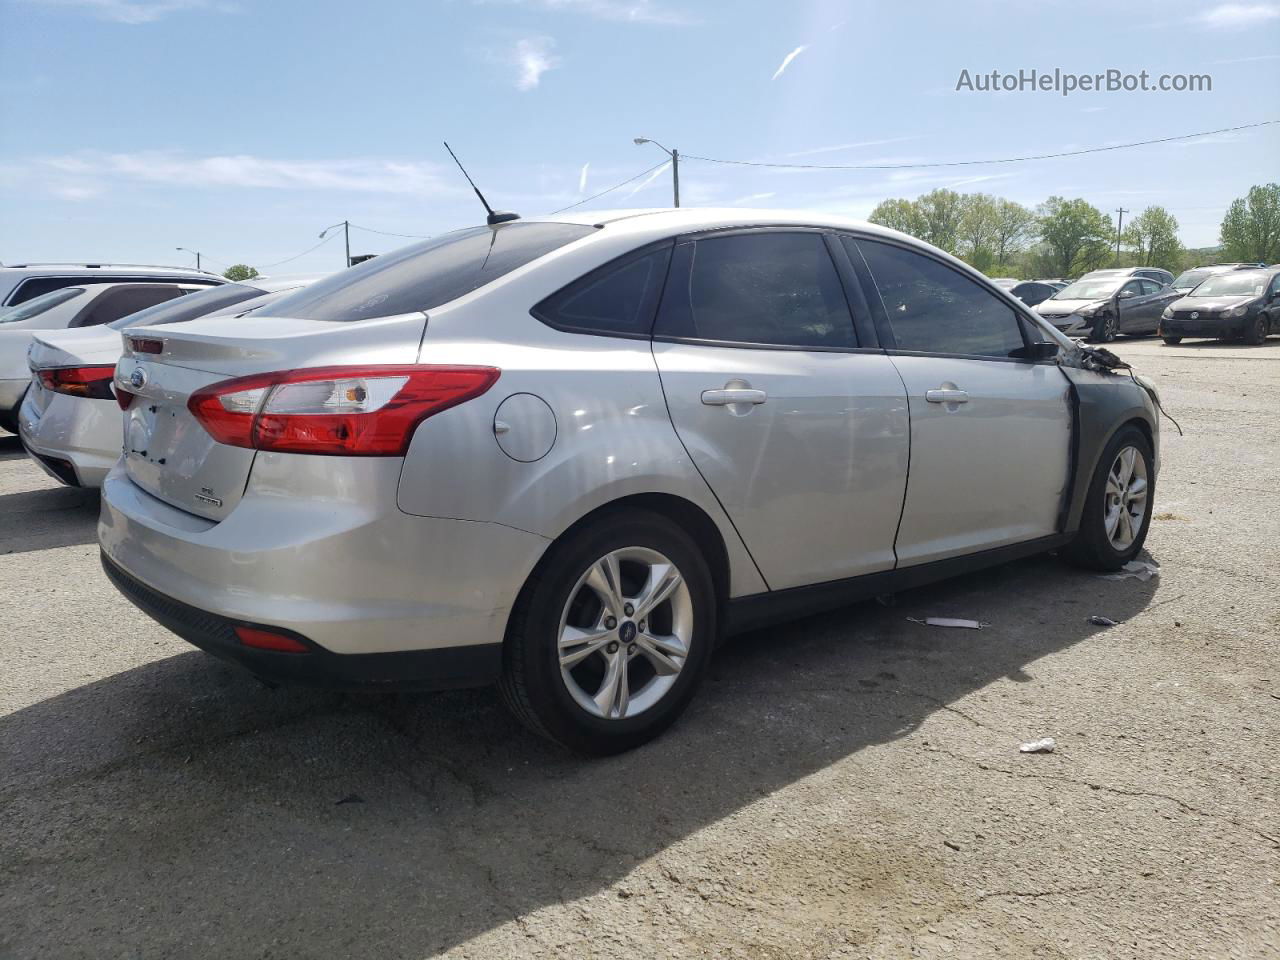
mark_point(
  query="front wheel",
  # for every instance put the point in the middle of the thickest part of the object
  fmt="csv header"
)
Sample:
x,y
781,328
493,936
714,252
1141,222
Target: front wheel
x,y
1105,328
1117,509
1172,341
611,635
1256,332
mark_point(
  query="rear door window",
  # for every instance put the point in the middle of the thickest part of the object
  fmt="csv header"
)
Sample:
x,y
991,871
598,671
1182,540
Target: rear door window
x,y
123,301
618,299
36,286
425,275
932,308
772,288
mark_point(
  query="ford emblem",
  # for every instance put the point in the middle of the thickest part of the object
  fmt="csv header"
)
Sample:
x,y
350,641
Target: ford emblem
x,y
1195,314
138,379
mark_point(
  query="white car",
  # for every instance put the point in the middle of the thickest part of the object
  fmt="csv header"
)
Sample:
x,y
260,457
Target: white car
x,y
69,421
83,305
567,455
20,282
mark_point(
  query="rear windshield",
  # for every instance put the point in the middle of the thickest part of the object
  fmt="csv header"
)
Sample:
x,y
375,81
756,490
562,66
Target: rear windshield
x,y
38,305
427,274
193,305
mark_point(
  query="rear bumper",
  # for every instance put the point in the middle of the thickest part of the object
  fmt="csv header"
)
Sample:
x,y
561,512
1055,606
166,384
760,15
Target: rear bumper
x,y
76,440
443,668
344,569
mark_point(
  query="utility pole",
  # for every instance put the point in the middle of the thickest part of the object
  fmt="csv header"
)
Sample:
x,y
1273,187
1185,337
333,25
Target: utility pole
x,y
675,165
1119,226
196,252
346,234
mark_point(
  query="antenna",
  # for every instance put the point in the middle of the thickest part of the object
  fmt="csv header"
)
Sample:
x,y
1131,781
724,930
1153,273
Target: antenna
x,y
495,217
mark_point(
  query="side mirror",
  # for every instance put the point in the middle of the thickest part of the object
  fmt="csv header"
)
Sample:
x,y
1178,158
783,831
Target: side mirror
x,y
1043,350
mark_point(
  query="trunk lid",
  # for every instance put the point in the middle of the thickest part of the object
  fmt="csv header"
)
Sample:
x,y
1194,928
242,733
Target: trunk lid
x,y
168,452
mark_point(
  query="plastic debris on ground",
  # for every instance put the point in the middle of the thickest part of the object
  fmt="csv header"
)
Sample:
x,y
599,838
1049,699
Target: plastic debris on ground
x,y
1098,621
1043,745
1142,569
949,622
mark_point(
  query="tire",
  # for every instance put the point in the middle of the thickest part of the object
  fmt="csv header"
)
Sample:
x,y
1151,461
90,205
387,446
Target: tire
x,y
1172,341
8,422
564,705
1256,332
1094,546
1105,328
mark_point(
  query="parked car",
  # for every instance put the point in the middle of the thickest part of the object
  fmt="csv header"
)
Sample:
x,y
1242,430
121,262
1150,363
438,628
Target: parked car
x,y
88,304
1188,280
1102,308
26,281
1162,277
1032,292
1238,304
568,455
69,422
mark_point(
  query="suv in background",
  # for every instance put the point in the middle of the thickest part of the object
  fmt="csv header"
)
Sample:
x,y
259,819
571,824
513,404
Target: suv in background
x,y
1188,280
1151,273
24,281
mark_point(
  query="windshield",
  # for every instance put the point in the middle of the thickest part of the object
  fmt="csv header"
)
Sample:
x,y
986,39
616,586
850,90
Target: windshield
x,y
1191,278
1089,289
425,275
1232,285
38,305
190,307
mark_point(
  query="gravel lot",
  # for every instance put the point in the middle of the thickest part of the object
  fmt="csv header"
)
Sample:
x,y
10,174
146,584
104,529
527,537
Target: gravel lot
x,y
846,786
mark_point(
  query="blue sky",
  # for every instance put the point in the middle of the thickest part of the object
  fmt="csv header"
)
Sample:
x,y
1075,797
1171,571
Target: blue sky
x,y
244,127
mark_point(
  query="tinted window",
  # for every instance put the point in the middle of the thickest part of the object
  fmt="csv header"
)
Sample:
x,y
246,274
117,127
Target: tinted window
x,y
1132,289
935,309
619,298
123,301
189,307
425,275
40,285
772,288
1149,287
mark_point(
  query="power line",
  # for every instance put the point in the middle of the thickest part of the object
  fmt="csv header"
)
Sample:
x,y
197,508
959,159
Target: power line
x,y
611,189
970,163
387,233
268,266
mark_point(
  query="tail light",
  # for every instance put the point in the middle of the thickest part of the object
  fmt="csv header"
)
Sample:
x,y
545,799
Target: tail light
x,y
343,411
92,382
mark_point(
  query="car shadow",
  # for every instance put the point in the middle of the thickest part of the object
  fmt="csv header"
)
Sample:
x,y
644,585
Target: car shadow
x,y
180,803
46,518
10,446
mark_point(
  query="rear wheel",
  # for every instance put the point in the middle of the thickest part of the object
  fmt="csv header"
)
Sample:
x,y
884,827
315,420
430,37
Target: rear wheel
x,y
1256,331
1172,341
1117,509
610,637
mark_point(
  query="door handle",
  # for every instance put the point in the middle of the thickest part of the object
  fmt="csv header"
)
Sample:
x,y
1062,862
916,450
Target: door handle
x,y
728,395
946,396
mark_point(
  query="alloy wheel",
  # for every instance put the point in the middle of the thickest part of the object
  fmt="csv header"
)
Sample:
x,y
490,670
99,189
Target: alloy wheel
x,y
625,633
1125,504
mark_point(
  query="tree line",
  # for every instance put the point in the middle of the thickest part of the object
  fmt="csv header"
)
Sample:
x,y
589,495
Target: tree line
x,y
1067,237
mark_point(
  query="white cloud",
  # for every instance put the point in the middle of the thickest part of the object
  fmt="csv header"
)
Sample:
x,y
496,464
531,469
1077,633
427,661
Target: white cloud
x,y
1265,56
76,173
649,179
835,148
1235,16
626,11
750,198
582,178
532,58
137,11
786,61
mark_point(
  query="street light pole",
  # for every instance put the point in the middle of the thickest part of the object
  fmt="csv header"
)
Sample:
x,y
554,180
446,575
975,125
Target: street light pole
x,y
675,165
346,235
1119,226
196,252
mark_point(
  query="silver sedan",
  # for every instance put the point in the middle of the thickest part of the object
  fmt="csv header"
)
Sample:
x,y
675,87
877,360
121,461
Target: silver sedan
x,y
568,455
